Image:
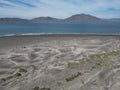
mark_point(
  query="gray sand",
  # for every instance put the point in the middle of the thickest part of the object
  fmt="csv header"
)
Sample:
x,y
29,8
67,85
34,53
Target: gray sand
x,y
60,62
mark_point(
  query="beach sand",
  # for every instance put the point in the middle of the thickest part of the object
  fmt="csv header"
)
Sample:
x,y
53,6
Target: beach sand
x,y
60,62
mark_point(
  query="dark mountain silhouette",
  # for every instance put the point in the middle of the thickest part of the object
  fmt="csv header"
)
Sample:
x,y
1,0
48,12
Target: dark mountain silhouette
x,y
74,18
82,17
13,20
46,19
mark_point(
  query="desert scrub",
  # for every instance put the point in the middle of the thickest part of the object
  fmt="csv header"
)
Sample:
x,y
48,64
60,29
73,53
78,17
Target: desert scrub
x,y
22,70
33,67
102,62
36,88
95,56
11,76
44,88
104,59
7,78
93,67
87,71
72,77
83,61
82,81
3,79
18,74
72,64
112,53
59,83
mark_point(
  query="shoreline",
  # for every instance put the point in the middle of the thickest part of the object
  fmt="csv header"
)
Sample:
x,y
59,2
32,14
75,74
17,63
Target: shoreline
x,y
16,41
54,34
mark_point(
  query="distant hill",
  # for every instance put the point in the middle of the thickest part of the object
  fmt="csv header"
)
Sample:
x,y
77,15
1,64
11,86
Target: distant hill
x,y
46,19
13,20
74,18
82,17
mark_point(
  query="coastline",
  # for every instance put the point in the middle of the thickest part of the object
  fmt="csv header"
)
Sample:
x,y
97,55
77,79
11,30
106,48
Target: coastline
x,y
41,34
53,35
14,41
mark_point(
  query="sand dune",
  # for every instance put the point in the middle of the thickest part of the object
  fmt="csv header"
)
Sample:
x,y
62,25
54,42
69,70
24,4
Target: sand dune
x,y
60,63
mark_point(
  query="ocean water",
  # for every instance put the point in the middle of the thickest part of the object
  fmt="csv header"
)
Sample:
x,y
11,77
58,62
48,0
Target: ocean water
x,y
18,28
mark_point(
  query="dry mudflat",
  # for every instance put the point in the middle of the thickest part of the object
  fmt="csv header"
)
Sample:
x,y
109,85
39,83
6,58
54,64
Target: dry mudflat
x,y
60,62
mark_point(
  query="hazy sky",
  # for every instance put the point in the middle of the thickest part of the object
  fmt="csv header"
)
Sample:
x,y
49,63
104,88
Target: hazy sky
x,y
59,8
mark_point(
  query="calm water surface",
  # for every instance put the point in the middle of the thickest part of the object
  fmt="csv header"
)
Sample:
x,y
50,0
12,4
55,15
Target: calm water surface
x,y
81,27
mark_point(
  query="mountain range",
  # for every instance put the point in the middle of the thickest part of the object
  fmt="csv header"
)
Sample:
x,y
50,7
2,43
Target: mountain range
x,y
13,20
73,18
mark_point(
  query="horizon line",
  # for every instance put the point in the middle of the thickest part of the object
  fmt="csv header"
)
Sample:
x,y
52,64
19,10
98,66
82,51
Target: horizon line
x,y
57,17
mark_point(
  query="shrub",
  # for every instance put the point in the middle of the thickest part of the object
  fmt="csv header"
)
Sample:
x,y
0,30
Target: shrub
x,y
82,81
45,89
3,79
34,67
36,88
72,64
9,77
18,74
72,77
22,70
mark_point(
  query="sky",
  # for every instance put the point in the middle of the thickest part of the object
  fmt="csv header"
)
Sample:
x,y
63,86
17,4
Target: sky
x,y
59,8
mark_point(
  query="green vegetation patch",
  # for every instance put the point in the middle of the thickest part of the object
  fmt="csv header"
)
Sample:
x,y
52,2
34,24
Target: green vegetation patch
x,y
7,78
82,81
59,83
34,67
72,77
36,88
22,70
72,64
45,89
16,74
12,76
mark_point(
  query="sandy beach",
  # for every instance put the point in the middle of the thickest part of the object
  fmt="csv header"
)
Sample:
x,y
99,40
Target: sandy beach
x,y
60,62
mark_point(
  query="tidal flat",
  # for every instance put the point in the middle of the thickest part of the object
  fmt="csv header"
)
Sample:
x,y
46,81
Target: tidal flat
x,y
60,62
